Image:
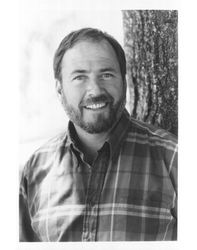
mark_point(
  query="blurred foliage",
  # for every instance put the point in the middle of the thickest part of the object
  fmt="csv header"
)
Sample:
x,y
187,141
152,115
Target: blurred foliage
x,y
150,40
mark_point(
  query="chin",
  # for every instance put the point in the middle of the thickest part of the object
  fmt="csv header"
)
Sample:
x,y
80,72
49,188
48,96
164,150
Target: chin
x,y
96,124
96,128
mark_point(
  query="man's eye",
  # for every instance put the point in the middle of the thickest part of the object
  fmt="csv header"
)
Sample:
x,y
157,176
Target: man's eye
x,y
107,76
79,78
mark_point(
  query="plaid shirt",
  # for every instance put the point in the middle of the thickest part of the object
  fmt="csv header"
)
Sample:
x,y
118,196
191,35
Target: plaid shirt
x,y
128,194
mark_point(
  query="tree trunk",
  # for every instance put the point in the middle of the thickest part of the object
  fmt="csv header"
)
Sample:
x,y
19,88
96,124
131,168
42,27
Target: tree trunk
x,y
152,68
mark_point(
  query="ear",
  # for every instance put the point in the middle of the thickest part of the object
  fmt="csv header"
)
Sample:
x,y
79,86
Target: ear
x,y
58,87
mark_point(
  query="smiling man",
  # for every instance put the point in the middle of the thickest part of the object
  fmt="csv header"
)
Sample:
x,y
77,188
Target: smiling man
x,y
91,91
109,177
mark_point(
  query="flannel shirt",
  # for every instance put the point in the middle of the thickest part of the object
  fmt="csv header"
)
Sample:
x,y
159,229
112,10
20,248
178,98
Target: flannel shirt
x,y
128,194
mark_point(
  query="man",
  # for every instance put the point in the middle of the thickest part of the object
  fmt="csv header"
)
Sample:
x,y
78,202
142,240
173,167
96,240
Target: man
x,y
109,177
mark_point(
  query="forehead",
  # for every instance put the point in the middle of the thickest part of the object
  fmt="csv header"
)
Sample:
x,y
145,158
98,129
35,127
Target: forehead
x,y
90,53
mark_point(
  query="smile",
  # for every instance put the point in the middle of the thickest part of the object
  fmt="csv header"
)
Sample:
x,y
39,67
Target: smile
x,y
96,106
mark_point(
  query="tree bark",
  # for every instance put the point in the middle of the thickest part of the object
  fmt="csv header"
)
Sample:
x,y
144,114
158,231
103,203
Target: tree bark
x,y
150,41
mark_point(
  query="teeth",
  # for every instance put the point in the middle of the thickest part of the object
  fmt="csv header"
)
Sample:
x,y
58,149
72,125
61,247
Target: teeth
x,y
96,106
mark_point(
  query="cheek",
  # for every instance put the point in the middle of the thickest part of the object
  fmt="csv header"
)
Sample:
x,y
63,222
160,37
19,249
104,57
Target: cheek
x,y
73,96
116,90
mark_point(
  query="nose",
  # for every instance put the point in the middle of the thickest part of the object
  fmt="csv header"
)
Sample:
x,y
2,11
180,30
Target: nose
x,y
94,86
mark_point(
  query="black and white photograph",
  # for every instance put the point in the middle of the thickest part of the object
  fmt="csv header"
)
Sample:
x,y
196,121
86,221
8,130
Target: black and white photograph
x,y
99,102
110,171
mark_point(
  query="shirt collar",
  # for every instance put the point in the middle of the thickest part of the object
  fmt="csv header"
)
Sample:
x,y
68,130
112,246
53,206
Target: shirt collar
x,y
119,132
115,137
72,135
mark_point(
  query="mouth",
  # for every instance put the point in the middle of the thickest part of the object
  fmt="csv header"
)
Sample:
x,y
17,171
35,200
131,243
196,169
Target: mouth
x,y
96,106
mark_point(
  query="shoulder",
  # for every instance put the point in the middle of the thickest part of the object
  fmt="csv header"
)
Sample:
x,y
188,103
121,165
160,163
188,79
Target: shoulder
x,y
144,133
154,145
44,156
53,143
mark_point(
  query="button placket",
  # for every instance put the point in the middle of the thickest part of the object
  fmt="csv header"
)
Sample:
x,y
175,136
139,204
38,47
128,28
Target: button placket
x,y
90,218
95,186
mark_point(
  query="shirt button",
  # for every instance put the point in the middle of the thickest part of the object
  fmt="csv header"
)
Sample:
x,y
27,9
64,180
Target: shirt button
x,y
90,203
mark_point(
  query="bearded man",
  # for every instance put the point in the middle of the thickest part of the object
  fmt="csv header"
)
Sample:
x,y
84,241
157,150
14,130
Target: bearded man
x,y
108,177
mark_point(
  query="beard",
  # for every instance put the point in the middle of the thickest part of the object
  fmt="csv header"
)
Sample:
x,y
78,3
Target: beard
x,y
101,122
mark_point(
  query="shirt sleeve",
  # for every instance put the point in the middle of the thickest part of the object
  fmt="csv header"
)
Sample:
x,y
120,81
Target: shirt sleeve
x,y
173,175
172,161
26,232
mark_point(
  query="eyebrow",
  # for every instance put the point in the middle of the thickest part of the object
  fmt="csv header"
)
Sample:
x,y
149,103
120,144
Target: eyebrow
x,y
108,69
83,71
78,71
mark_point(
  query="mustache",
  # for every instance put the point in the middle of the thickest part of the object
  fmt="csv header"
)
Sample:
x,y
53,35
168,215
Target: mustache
x,y
96,99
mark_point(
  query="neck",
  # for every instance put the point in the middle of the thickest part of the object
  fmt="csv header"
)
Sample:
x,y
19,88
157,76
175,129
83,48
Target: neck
x,y
94,141
90,143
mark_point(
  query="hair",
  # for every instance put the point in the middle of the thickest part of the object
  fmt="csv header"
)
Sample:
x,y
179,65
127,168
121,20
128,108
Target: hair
x,y
82,35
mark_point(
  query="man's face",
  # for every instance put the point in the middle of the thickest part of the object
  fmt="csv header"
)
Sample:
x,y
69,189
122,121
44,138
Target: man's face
x,y
91,90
